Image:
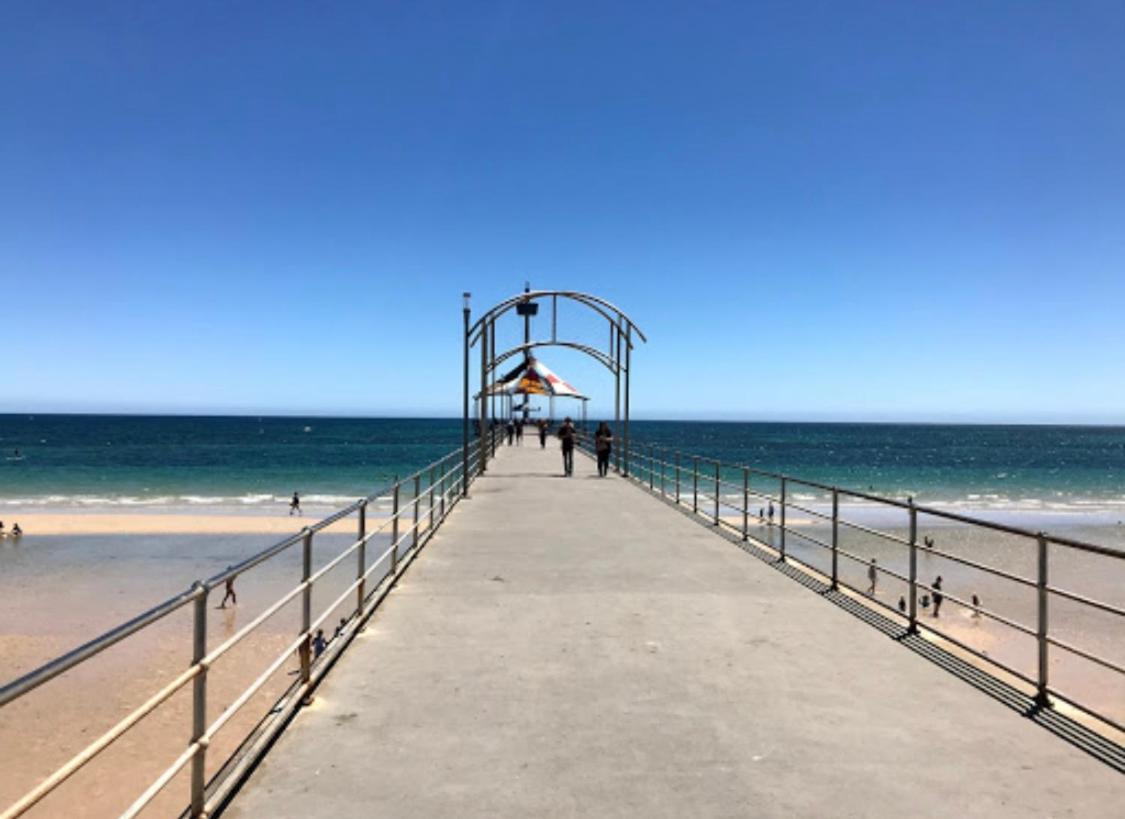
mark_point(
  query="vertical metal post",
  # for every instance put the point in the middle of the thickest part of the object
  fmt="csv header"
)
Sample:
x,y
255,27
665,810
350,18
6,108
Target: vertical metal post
x,y
913,590
835,539
718,489
677,477
394,525
782,550
485,429
694,483
464,410
199,703
491,373
1041,697
361,559
430,529
417,499
651,467
628,375
306,607
615,343
441,502
663,478
745,503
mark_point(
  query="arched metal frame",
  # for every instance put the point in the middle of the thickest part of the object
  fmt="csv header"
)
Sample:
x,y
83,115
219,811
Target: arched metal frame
x,y
617,359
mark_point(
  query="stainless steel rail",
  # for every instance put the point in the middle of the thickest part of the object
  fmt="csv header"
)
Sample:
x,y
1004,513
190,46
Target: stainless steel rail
x,y
437,487
646,465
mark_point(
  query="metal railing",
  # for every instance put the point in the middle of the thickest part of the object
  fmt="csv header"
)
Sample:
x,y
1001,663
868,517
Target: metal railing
x,y
420,502
722,494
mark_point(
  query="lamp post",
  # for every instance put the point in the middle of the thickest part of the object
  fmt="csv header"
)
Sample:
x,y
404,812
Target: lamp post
x,y
465,404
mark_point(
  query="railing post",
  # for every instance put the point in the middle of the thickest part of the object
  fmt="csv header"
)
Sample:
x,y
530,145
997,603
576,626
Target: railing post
x,y
782,550
651,467
417,498
663,478
394,527
835,539
1041,698
306,608
694,483
718,489
199,703
361,560
677,477
745,503
441,501
913,591
430,530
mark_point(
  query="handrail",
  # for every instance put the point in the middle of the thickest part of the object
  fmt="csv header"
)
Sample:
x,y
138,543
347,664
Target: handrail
x,y
701,493
434,484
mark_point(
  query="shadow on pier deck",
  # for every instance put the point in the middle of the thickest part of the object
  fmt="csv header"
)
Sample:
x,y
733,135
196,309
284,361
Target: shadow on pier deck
x,y
571,647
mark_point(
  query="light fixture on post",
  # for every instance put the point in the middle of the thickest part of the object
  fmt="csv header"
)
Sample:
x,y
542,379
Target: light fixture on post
x,y
465,297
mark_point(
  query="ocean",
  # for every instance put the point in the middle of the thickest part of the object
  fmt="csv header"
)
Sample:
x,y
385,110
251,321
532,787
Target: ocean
x,y
110,461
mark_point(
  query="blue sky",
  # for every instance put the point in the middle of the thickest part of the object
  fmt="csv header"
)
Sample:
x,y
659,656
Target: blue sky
x,y
862,211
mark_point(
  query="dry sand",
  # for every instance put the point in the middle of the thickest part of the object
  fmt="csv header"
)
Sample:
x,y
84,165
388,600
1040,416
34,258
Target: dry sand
x,y
63,523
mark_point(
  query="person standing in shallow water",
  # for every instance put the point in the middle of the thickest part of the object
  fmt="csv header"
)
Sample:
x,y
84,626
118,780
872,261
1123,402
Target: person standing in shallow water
x,y
566,435
603,445
295,504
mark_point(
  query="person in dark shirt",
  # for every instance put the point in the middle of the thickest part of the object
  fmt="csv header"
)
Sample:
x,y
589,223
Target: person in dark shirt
x,y
566,435
603,445
937,595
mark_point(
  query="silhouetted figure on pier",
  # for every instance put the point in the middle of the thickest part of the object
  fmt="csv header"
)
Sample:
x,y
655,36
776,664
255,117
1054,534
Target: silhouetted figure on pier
x,y
510,429
542,433
603,446
872,576
229,595
519,433
567,435
295,504
937,595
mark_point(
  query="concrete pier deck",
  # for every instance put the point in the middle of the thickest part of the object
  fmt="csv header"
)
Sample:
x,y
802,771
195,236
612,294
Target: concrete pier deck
x,y
574,647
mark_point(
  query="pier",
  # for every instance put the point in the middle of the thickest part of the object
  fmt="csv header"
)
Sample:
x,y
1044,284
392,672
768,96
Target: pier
x,y
512,642
571,647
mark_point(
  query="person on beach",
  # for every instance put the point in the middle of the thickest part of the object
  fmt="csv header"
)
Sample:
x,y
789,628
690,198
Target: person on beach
x,y
925,601
17,532
229,595
603,446
340,628
2,532
937,595
771,512
542,433
901,605
319,643
761,515
976,607
928,542
872,576
295,504
566,435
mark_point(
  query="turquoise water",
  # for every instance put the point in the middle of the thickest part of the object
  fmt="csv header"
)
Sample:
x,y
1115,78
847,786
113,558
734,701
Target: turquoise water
x,y
155,461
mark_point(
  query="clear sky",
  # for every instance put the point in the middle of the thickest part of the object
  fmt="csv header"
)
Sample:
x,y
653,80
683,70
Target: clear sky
x,y
816,210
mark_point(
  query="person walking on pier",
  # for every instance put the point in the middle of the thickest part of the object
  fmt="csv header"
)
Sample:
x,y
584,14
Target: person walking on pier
x,y
937,595
510,429
519,433
566,435
872,576
295,505
229,593
319,643
603,444
542,433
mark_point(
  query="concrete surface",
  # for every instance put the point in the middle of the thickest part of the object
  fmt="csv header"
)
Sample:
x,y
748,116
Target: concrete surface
x,y
573,647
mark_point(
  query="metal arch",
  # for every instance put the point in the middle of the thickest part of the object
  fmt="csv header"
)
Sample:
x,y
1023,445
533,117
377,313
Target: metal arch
x,y
594,353
595,303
